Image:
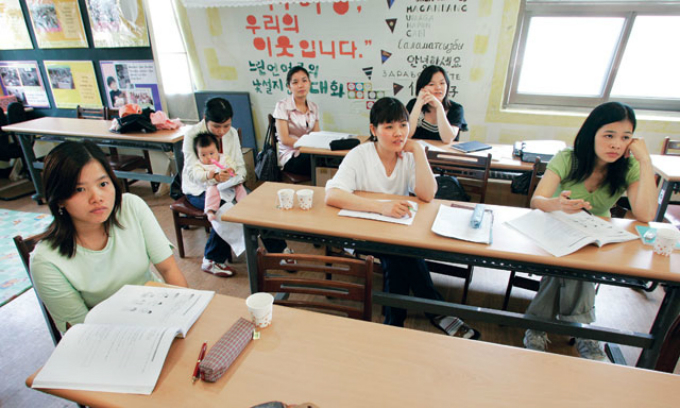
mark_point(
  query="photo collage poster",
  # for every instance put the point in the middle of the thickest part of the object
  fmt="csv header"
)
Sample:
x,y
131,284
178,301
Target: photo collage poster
x,y
22,79
131,82
118,23
13,30
73,83
57,23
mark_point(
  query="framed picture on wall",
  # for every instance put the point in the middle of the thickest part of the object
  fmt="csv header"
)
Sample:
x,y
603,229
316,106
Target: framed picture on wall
x,y
13,30
73,83
22,79
118,23
57,23
131,82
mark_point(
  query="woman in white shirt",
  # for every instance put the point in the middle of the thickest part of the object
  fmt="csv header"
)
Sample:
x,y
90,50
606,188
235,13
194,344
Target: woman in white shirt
x,y
391,163
295,116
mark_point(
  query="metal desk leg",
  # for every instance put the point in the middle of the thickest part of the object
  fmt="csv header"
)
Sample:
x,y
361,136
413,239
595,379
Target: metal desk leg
x,y
250,235
312,160
664,197
668,312
29,157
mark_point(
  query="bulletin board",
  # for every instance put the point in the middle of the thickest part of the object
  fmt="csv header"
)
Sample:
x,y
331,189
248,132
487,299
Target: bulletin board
x,y
243,114
356,52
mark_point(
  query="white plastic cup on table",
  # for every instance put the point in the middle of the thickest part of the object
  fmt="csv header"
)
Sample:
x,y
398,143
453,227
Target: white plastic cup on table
x,y
305,198
260,305
665,241
286,196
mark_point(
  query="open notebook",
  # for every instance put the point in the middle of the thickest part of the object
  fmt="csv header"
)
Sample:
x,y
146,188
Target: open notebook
x,y
124,341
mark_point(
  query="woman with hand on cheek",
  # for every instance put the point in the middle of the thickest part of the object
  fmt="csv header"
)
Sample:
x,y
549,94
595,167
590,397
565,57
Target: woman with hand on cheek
x,y
391,163
433,115
606,161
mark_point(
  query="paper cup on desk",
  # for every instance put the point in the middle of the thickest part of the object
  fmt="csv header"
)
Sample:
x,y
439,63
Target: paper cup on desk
x,y
285,197
305,198
260,306
665,241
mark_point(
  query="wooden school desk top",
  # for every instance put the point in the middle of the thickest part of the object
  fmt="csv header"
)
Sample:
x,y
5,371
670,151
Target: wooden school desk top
x,y
629,258
91,128
667,166
339,362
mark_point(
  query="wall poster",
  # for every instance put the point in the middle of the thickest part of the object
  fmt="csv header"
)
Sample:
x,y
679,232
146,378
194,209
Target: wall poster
x,y
22,79
57,23
131,82
73,83
13,30
118,23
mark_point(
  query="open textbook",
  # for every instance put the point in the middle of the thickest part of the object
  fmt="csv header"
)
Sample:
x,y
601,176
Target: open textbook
x,y
124,341
320,140
562,234
454,222
406,220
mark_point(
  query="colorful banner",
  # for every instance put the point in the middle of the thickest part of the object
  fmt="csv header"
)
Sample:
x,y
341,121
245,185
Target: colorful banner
x,y
118,23
73,83
13,30
57,23
22,79
131,82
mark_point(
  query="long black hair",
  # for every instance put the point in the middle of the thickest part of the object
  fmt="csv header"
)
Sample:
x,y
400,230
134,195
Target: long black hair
x,y
63,166
584,146
387,110
425,77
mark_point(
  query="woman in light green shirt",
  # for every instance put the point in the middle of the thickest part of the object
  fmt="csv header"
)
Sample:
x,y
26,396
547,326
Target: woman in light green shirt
x,y
606,162
100,239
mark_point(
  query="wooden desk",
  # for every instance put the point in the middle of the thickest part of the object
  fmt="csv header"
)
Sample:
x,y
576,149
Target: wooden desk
x,y
614,264
62,129
502,158
668,167
340,362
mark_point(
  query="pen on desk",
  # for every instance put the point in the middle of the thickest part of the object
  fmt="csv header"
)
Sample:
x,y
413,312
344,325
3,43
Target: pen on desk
x,y
198,362
584,209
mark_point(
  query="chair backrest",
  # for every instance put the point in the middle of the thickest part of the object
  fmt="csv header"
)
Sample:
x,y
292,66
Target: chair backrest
x,y
671,147
310,289
16,113
670,349
92,113
536,174
472,171
25,247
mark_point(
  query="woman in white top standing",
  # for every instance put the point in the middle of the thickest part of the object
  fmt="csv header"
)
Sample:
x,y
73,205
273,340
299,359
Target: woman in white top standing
x,y
295,116
392,164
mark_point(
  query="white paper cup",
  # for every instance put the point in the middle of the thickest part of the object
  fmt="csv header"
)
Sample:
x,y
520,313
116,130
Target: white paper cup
x,y
260,306
305,198
665,241
286,196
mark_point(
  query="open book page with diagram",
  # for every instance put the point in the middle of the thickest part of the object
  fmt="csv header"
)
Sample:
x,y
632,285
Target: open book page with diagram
x,y
152,306
562,234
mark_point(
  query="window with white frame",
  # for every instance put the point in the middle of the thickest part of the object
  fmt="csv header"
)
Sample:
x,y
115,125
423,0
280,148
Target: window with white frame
x,y
578,54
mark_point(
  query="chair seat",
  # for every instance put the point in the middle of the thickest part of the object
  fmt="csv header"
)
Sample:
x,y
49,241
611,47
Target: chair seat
x,y
295,178
125,162
183,206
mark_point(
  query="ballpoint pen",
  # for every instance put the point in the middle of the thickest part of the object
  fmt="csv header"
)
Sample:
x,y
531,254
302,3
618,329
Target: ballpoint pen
x,y
198,362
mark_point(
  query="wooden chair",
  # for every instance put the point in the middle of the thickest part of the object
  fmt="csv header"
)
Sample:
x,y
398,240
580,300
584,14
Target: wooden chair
x,y
120,162
473,174
184,214
286,177
25,247
672,148
670,349
310,282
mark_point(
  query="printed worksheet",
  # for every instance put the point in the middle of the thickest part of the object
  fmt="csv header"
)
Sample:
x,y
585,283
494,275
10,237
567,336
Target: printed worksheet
x,y
406,220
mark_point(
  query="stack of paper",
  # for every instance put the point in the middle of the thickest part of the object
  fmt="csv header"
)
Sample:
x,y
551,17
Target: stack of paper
x,y
454,222
320,140
406,220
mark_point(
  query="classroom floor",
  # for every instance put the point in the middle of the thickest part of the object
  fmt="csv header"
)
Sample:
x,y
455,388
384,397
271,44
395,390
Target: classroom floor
x,y
27,344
